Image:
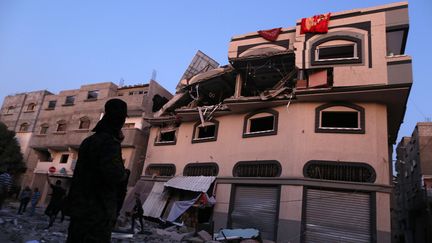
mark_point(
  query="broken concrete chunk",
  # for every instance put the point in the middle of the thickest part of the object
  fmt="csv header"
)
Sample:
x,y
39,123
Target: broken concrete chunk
x,y
204,235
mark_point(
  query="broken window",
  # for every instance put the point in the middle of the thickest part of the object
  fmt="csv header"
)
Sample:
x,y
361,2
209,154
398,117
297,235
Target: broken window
x,y
44,129
31,107
24,127
263,168
84,123
201,169
92,94
52,104
61,126
70,100
205,132
160,169
166,136
261,124
44,155
339,171
346,118
64,158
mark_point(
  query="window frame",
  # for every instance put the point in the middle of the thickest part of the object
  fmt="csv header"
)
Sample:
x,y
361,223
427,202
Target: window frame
x,y
146,172
249,117
196,164
358,47
44,132
61,158
89,94
353,165
82,121
59,123
157,141
24,127
51,107
68,97
361,119
195,132
31,107
257,162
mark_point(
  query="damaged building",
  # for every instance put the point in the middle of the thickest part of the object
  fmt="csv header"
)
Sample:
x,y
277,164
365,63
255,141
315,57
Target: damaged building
x,y
50,127
293,137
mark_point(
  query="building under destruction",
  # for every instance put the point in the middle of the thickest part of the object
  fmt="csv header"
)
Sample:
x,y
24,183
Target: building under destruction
x,y
293,137
50,127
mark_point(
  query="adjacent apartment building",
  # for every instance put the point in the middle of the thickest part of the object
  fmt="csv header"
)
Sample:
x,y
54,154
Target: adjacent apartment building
x,y
298,129
50,127
413,187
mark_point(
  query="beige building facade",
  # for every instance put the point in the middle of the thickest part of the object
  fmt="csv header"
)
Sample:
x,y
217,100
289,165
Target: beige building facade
x,y
59,122
298,131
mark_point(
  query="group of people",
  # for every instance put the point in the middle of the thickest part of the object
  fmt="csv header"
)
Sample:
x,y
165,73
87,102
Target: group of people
x,y
27,196
99,184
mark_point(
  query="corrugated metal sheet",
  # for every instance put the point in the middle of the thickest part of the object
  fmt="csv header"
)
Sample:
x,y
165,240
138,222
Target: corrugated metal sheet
x,y
191,183
142,187
256,207
156,201
334,216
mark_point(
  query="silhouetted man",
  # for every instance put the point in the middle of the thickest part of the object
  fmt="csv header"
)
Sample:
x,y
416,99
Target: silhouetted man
x,y
55,204
99,182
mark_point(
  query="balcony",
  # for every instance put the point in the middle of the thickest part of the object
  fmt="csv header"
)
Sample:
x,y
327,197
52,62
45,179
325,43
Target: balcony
x,y
59,141
399,69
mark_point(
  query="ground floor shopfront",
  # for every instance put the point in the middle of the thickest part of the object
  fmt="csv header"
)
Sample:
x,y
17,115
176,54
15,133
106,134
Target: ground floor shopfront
x,y
299,209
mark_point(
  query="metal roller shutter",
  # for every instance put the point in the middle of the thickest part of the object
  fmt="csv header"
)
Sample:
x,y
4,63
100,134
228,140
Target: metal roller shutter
x,y
335,216
256,207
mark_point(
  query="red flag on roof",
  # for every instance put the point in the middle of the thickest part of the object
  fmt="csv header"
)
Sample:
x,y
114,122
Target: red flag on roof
x,y
270,35
315,24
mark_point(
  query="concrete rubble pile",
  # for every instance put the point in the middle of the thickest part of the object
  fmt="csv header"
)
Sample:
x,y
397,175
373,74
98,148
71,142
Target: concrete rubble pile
x,y
23,228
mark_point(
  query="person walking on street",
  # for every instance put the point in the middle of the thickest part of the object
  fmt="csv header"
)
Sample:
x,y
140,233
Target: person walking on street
x,y
24,199
56,201
99,183
5,185
34,200
137,213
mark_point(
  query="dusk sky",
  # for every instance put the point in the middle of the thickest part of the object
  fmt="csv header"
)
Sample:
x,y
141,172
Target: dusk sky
x,y
60,45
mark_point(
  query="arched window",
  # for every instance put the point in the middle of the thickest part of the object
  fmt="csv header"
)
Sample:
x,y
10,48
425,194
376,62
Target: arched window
x,y
336,49
84,123
201,169
61,126
161,169
44,128
339,171
261,123
340,118
24,127
205,132
31,107
260,168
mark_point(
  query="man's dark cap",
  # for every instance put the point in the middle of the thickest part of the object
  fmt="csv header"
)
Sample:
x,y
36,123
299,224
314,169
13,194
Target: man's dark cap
x,y
116,107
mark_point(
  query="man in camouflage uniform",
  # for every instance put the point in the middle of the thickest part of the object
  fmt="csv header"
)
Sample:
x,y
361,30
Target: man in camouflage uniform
x,y
100,179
